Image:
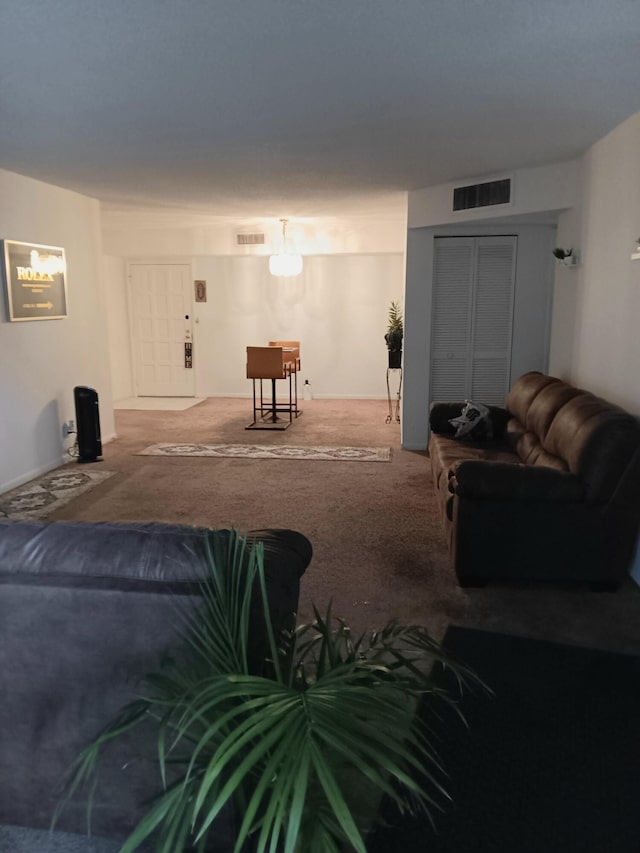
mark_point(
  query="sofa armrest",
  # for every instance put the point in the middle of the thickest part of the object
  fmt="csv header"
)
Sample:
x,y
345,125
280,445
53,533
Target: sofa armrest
x,y
504,480
441,413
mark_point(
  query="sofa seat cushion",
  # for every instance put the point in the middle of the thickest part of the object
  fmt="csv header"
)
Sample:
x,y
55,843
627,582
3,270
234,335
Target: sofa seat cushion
x,y
446,453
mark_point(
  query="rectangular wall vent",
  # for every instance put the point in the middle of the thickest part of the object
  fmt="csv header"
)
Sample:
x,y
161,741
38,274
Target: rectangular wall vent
x,y
482,195
250,239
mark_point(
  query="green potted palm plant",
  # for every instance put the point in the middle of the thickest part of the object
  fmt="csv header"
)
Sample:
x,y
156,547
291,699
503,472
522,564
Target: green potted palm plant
x,y
293,749
394,335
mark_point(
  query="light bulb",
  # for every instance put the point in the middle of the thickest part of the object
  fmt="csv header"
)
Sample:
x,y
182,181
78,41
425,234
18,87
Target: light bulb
x,y
285,265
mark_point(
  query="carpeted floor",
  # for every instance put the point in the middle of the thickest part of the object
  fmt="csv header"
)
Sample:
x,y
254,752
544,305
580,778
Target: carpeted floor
x,y
379,553
379,550
551,763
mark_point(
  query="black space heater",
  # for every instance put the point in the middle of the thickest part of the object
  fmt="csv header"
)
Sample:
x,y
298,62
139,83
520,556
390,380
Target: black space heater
x,y
87,424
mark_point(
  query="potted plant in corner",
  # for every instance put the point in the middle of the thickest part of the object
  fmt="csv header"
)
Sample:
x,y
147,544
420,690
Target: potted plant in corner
x,y
394,335
299,754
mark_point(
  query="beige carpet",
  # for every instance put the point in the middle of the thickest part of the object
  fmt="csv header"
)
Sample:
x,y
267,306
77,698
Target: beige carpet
x,y
379,549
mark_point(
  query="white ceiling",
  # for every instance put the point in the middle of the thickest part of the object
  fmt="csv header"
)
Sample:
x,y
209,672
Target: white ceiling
x,y
268,108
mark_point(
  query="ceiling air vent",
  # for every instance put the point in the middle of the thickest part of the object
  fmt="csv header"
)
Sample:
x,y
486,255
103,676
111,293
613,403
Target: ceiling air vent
x,y
249,239
482,195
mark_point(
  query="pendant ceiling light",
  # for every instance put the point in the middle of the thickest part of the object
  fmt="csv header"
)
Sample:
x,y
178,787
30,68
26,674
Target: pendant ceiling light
x,y
284,263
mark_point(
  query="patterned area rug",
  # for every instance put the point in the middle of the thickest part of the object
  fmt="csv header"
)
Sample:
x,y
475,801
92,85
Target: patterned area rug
x,y
262,451
37,499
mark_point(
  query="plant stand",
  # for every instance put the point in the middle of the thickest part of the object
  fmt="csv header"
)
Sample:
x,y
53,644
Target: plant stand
x,y
390,416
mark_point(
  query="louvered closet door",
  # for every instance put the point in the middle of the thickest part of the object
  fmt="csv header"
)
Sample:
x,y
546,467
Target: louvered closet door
x,y
472,312
453,275
492,319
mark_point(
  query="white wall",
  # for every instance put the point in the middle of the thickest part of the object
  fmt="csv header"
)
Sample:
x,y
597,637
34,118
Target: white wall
x,y
543,188
595,338
42,361
133,234
337,307
117,309
603,294
532,305
566,290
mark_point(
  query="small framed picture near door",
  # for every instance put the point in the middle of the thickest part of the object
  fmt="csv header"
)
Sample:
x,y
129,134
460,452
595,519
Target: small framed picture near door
x,y
200,287
35,281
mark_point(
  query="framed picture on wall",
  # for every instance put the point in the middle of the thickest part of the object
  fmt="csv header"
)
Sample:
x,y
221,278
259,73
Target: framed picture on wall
x,y
35,281
200,287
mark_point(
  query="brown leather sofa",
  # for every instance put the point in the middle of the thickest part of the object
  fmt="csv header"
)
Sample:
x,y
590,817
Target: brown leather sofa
x,y
553,495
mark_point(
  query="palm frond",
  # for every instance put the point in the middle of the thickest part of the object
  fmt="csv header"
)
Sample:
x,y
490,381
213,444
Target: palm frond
x,y
334,714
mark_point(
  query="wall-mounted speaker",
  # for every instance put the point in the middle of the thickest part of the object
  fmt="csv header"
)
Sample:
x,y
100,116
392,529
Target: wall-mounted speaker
x,y
88,424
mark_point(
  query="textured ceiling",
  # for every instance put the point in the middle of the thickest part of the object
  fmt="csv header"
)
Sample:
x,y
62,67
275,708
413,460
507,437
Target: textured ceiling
x,y
286,107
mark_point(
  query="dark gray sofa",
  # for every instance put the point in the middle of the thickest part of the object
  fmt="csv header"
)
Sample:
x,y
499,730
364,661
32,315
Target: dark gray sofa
x,y
86,610
553,495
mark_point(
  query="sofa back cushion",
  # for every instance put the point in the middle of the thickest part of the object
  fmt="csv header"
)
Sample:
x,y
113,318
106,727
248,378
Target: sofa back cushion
x,y
524,391
534,401
559,426
546,405
599,442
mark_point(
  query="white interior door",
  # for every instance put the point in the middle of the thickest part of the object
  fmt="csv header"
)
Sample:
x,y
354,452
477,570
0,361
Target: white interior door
x,y
161,305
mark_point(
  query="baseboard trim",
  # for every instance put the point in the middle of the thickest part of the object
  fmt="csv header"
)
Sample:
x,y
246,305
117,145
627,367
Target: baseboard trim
x,y
64,459
36,472
349,397
302,401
